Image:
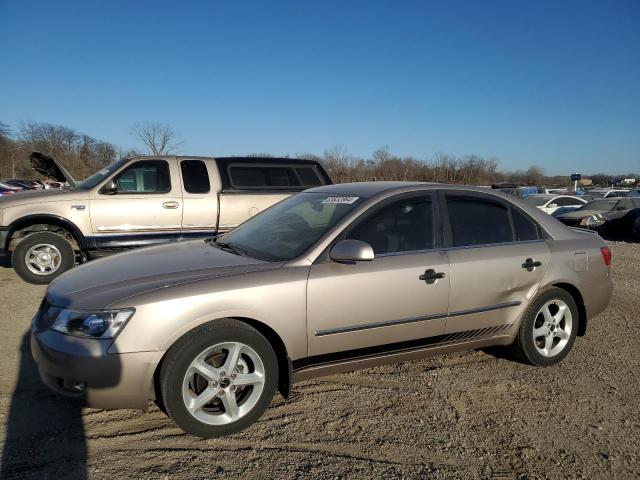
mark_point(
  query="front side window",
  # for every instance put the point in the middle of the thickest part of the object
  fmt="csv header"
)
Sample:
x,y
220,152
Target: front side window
x,y
478,221
145,176
195,177
289,228
403,226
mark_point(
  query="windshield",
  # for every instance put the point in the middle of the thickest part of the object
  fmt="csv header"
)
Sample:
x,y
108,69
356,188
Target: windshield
x,y
289,228
599,205
90,182
533,200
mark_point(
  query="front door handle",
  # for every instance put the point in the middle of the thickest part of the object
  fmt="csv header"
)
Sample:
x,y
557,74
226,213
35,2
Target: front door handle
x,y
170,205
530,264
430,276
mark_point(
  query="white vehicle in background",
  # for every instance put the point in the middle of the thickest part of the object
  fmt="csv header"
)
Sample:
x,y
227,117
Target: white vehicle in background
x,y
550,203
610,192
556,191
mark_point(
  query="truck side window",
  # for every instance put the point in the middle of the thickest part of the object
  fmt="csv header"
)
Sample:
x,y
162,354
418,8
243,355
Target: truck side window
x,y
195,177
145,176
259,176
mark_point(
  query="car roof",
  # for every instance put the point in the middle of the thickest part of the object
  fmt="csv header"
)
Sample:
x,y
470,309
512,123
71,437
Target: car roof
x,y
372,189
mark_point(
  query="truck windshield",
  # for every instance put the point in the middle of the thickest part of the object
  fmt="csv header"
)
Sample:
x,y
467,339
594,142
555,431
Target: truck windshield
x,y
289,228
90,182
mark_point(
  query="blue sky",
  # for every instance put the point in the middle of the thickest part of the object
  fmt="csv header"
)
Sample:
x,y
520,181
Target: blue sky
x,y
556,84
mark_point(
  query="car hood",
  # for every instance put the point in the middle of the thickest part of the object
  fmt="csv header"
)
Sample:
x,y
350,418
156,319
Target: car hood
x,y
101,283
50,168
40,196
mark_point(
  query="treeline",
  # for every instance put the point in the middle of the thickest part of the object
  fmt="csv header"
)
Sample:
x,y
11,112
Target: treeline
x,y
82,155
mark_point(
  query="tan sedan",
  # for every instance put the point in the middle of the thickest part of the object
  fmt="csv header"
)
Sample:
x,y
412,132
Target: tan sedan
x,y
332,279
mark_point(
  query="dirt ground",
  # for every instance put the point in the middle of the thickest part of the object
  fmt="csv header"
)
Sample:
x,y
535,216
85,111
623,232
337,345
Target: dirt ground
x,y
471,415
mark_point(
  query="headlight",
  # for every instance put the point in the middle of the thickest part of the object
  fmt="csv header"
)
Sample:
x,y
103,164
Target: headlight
x,y
93,324
592,221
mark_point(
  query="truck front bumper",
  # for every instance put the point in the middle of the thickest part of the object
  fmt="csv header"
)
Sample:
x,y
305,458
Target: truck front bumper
x,y
4,236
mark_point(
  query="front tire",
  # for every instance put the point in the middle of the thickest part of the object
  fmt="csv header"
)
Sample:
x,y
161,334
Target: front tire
x,y
219,378
548,329
42,256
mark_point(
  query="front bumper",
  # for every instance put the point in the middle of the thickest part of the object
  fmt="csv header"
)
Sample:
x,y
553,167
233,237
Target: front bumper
x,y
85,369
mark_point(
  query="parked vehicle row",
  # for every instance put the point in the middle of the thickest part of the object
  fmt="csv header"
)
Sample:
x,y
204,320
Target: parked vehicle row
x,y
332,279
140,201
7,189
610,217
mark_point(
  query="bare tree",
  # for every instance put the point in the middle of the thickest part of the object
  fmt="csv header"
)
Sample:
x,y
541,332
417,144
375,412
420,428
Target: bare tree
x,y
158,138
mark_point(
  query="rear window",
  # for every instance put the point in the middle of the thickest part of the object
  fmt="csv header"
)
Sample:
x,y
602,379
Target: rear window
x,y
476,221
273,177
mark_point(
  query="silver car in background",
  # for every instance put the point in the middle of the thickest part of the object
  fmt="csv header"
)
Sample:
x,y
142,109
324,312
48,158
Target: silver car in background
x,y
333,279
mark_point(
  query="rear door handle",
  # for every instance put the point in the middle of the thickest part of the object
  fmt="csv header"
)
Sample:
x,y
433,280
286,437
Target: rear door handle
x,y
170,205
530,264
430,276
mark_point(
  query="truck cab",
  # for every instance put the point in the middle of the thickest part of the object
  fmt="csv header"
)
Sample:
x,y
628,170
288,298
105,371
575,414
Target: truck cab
x,y
141,201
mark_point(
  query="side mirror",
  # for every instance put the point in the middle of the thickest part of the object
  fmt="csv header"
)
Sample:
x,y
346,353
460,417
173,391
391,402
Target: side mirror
x,y
351,251
109,188
552,205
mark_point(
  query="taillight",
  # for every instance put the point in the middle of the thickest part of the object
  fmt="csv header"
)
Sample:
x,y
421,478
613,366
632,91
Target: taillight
x,y
606,255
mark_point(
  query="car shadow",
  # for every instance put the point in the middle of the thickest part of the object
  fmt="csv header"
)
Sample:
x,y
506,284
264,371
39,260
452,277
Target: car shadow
x,y
44,435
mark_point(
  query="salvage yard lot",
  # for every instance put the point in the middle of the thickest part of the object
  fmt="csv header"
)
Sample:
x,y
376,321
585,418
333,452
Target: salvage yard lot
x,y
464,415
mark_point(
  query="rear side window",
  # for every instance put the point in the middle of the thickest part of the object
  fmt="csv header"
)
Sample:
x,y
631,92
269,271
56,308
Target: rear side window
x,y
476,221
524,228
403,226
273,177
195,176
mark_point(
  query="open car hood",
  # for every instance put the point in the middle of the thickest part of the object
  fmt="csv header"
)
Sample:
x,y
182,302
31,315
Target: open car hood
x,y
50,168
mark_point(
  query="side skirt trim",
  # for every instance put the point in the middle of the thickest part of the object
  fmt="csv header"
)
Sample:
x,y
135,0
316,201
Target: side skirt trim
x,y
398,347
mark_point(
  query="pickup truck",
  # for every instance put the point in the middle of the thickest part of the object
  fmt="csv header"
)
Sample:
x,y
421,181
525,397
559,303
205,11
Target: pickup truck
x,y
140,201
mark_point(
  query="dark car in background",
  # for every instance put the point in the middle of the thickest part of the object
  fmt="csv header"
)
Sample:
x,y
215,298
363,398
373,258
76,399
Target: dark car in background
x,y
610,217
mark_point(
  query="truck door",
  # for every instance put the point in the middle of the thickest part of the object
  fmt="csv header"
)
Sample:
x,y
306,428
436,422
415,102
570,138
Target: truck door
x,y
145,209
199,198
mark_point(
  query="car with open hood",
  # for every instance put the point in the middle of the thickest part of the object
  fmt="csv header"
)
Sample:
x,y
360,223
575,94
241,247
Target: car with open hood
x,y
140,201
610,217
332,279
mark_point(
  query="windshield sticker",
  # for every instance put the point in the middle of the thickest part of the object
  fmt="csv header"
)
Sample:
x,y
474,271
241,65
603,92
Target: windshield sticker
x,y
103,171
346,200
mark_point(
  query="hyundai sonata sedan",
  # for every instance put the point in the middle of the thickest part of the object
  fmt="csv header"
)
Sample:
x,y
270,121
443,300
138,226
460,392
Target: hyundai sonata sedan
x,y
333,279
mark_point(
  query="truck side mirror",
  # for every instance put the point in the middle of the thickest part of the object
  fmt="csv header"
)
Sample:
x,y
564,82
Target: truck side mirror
x,y
109,188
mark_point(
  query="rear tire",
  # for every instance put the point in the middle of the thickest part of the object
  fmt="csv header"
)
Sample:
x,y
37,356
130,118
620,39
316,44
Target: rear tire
x,y
42,256
548,329
219,378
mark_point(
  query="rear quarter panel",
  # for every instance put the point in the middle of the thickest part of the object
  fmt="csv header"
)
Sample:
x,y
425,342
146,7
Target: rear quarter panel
x,y
578,261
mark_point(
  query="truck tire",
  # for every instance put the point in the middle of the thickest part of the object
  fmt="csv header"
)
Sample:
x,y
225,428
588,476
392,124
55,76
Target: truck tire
x,y
42,256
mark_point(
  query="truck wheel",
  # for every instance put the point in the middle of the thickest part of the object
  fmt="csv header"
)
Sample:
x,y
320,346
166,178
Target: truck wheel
x,y
40,257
